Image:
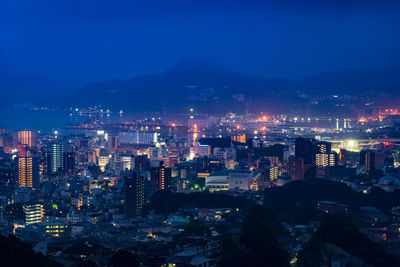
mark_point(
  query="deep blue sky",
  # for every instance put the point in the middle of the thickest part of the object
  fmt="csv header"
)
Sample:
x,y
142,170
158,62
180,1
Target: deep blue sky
x,y
79,41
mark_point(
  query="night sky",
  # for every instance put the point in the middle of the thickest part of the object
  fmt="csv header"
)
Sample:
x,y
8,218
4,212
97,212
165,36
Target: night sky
x,y
80,41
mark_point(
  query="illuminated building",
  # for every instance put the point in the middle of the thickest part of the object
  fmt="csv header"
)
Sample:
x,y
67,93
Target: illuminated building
x,y
203,174
322,160
343,156
160,176
218,181
296,168
22,150
225,153
6,141
181,185
27,138
370,161
134,194
332,159
198,150
272,173
33,213
77,202
268,166
263,177
268,161
326,160
74,217
195,132
239,138
240,180
55,157
54,229
125,161
103,159
137,137
324,147
325,157
114,142
367,158
27,171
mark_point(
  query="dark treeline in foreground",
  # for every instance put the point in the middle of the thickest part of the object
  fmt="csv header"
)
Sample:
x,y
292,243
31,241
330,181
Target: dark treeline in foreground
x,y
306,193
165,202
14,252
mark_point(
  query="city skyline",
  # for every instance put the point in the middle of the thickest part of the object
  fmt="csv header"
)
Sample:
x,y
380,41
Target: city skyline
x,y
200,133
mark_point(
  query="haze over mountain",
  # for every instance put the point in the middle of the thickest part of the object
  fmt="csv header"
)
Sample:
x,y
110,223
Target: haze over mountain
x,y
212,88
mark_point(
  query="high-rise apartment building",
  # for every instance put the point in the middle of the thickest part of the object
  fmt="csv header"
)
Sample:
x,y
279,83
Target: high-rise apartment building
x,y
27,172
325,157
33,213
27,138
69,163
55,157
160,177
134,194
370,159
367,158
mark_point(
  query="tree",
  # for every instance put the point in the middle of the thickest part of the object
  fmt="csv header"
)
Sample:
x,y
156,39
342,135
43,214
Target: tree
x,y
196,227
340,230
14,252
123,258
94,170
258,244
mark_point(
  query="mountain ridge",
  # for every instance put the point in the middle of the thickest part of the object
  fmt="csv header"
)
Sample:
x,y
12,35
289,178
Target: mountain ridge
x,y
212,88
